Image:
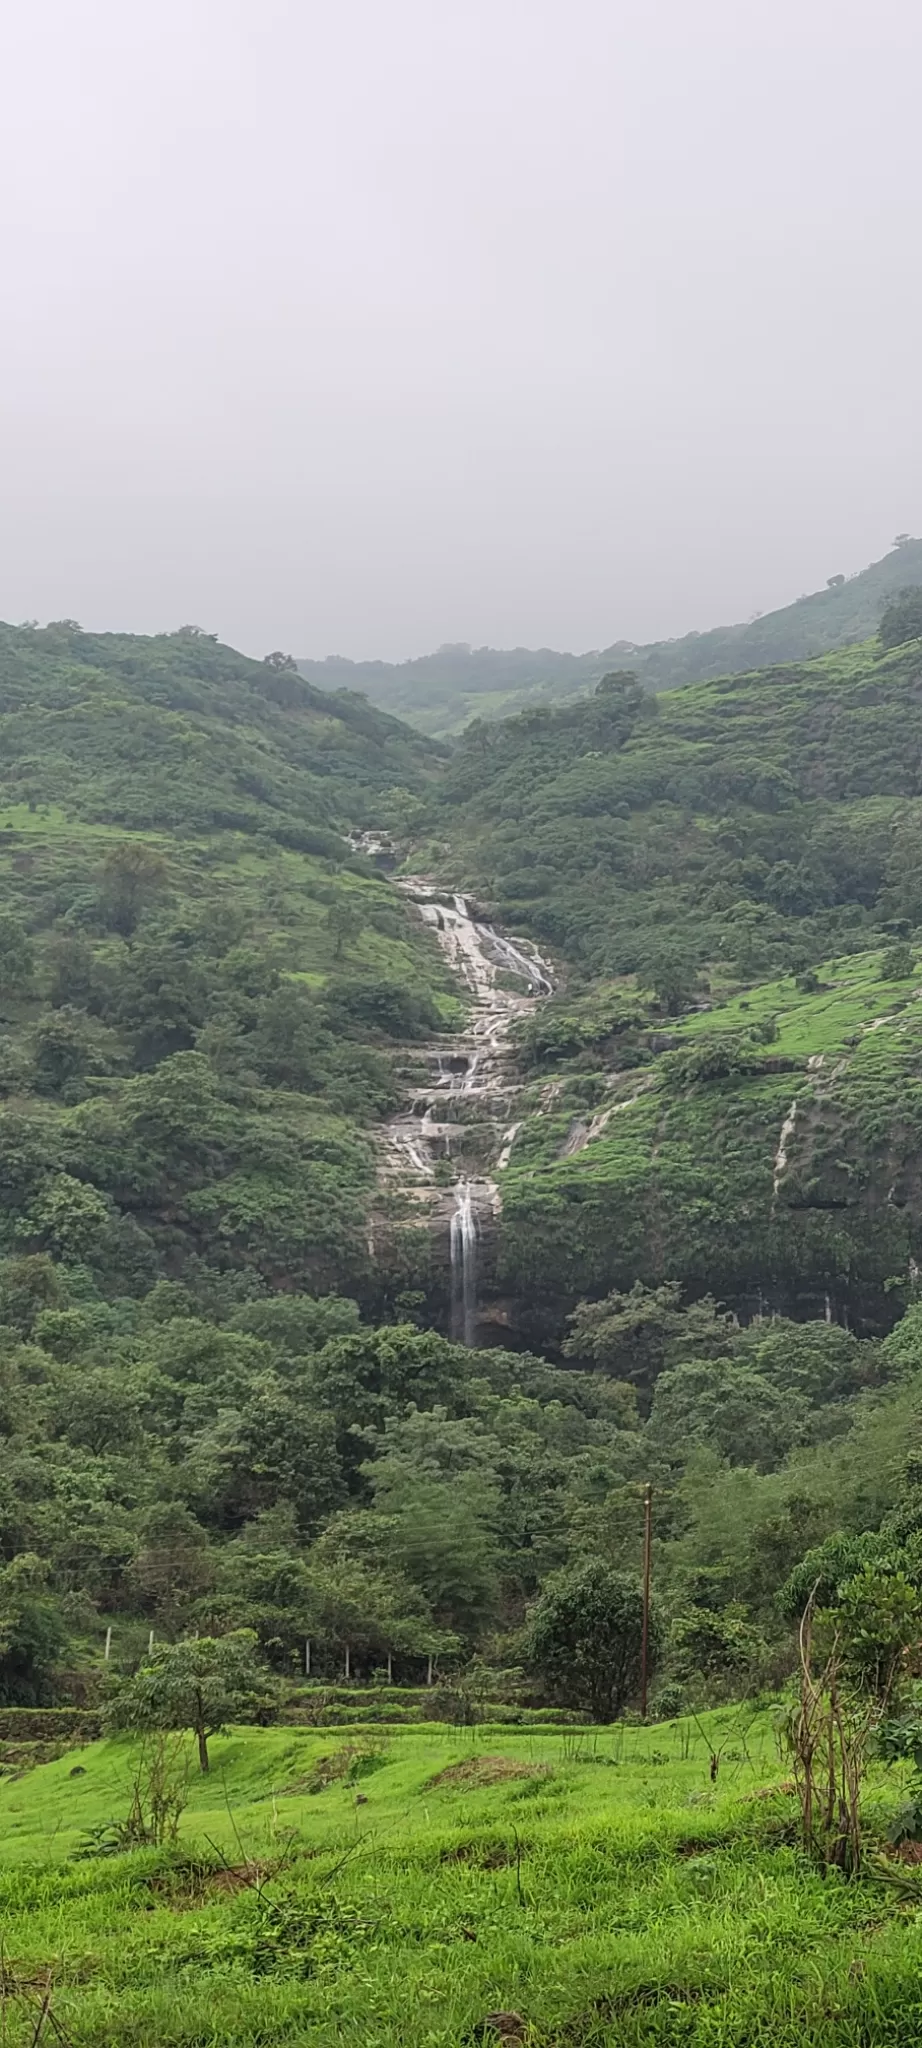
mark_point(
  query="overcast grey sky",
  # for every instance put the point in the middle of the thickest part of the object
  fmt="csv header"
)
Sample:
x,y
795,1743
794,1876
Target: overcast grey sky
x,y
364,325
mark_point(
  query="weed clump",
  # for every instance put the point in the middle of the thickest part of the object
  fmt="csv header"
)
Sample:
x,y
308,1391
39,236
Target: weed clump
x,y
483,1770
343,1766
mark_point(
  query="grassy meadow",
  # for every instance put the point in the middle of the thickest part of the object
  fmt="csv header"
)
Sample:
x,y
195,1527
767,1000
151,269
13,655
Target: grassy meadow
x,y
397,1887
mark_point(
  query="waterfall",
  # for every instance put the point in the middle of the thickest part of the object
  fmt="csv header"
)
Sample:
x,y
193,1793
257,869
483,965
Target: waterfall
x,y
463,1266
782,1155
518,962
472,1074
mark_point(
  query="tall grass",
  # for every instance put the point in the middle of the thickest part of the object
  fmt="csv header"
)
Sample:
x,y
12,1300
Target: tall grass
x,y
602,1887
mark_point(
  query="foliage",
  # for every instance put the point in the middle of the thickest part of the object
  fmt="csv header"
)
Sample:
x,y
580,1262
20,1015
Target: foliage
x,y
726,878
901,619
584,1637
32,1633
200,1684
870,1649
635,1335
897,963
202,981
213,1415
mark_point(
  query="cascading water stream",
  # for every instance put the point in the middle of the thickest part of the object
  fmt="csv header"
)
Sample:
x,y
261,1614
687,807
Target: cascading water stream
x,y
464,1113
463,1245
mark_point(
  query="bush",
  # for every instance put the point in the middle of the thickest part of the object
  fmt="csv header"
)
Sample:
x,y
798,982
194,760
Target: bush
x,y
49,1724
584,1637
898,963
902,618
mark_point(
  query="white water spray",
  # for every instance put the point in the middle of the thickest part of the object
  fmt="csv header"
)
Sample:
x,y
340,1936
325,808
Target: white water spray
x,y
474,1070
463,1246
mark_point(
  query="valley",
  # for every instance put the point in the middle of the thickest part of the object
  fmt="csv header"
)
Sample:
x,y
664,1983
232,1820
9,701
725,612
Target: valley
x,y
441,693
437,1182
461,1112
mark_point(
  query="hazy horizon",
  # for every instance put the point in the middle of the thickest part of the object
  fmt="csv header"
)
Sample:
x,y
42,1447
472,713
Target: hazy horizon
x,y
366,331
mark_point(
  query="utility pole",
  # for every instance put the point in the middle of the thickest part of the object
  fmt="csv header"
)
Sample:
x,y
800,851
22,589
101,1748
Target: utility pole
x,y
645,1638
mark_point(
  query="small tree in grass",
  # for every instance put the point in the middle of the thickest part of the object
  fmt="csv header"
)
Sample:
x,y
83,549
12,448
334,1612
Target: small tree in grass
x,y
199,1684
897,963
134,876
584,1637
852,1702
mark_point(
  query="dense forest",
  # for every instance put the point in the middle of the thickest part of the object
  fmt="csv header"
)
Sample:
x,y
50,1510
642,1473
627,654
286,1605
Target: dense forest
x,y
226,1394
440,693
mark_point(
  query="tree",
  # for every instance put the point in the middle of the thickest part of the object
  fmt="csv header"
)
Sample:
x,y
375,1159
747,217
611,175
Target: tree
x,y
897,964
354,1605
29,1285
584,1636
174,1565
726,1404
16,960
901,619
200,1685
723,1649
635,1335
290,1045
673,977
69,1219
162,998
67,1047
877,1621
296,1324
344,922
32,1633
133,877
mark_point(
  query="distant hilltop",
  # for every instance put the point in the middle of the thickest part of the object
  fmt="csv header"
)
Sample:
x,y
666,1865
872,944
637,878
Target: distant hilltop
x,y
442,692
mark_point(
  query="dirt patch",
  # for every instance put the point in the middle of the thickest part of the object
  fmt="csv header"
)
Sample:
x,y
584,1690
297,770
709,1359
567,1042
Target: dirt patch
x,y
786,1788
906,1852
592,2027
484,1855
503,2026
16,1758
16,1983
187,1885
340,1767
484,1770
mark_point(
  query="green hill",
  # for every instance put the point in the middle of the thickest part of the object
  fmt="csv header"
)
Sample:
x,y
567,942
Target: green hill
x,y
225,1397
200,986
750,845
441,692
180,732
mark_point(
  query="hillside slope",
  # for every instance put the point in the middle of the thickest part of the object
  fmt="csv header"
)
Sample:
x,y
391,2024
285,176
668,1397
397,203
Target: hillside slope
x,y
638,1903
208,1003
441,692
732,873
178,730
201,988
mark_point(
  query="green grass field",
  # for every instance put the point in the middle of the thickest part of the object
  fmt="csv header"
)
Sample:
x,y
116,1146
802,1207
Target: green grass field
x,y
852,998
598,1884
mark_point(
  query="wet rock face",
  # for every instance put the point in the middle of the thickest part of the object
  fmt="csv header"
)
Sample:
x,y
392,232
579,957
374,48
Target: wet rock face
x,y
458,1126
